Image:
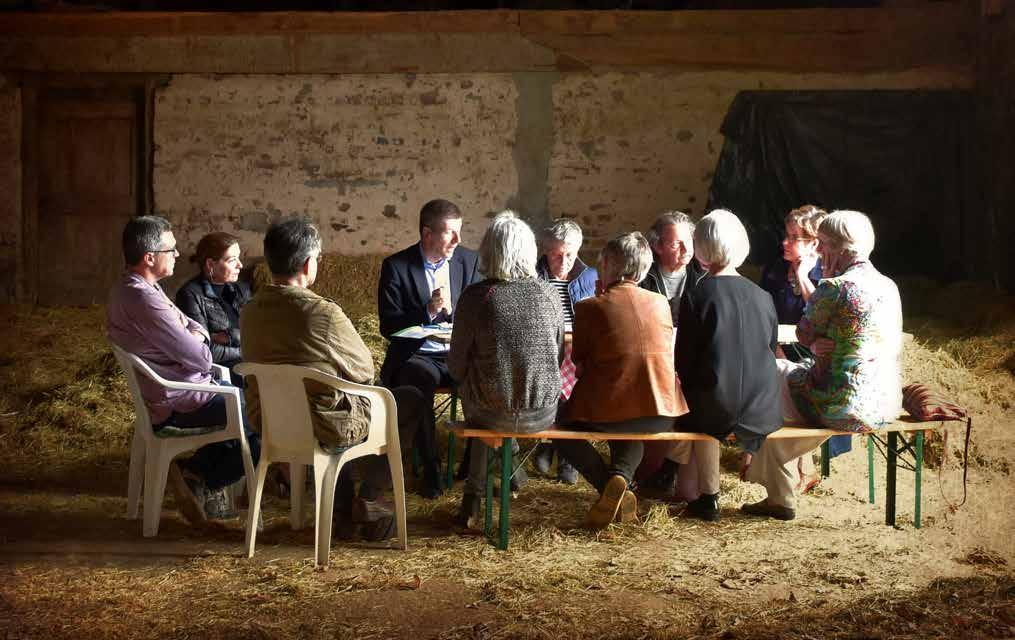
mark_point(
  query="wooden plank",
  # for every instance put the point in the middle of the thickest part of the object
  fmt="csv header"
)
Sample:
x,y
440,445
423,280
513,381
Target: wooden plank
x,y
122,24
935,17
815,40
28,268
904,423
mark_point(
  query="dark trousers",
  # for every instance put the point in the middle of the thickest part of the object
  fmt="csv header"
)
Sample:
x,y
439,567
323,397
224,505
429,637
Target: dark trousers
x,y
625,455
426,373
219,464
374,471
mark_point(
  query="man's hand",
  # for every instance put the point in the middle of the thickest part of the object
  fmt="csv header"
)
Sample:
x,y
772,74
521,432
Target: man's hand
x,y
437,302
221,338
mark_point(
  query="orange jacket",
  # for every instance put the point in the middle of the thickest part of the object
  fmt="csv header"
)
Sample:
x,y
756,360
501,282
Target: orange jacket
x,y
623,348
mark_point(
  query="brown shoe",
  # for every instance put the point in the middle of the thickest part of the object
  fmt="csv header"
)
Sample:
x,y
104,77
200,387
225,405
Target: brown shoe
x,y
628,512
604,511
188,499
764,509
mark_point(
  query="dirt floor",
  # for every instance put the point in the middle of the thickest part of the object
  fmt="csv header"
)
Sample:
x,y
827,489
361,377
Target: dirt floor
x,y
73,566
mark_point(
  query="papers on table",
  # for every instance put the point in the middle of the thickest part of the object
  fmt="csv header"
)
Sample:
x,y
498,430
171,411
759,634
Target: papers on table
x,y
419,332
787,333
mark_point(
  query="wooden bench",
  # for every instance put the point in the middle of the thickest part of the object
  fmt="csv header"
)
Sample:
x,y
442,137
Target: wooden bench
x,y
897,444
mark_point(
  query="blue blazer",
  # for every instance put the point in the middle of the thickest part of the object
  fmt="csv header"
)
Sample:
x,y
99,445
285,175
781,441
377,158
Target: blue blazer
x,y
402,296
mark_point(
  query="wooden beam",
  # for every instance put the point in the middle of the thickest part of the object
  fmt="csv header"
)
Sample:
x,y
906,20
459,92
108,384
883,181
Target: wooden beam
x,y
817,40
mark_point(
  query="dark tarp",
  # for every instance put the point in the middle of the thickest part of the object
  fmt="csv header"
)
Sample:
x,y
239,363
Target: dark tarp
x,y
905,158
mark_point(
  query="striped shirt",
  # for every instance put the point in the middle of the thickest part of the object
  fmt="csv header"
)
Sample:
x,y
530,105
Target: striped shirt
x,y
560,286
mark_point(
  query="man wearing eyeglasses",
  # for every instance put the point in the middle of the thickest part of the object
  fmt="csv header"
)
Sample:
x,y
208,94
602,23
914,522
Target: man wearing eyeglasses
x,y
142,320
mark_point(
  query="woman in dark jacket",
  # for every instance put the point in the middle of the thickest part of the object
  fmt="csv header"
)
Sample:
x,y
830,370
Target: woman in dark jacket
x,y
725,356
215,296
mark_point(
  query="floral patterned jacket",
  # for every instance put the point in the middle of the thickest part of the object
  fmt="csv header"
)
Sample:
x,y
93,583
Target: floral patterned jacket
x,y
857,387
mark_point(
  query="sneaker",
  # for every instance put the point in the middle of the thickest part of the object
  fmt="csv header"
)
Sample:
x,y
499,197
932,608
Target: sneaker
x,y
765,509
219,506
542,459
367,511
189,493
383,528
706,507
604,511
628,511
470,516
566,473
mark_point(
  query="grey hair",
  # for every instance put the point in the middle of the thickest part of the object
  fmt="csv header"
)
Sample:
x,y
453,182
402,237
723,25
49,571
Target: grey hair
x,y
849,231
142,235
508,250
630,255
288,244
720,240
564,230
666,219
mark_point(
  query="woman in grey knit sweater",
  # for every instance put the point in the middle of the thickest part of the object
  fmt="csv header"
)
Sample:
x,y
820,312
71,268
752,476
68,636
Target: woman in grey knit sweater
x,y
506,347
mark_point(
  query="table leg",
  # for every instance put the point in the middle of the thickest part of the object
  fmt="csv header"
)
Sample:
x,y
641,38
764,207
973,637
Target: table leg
x,y
505,492
450,471
893,455
825,460
488,522
870,469
918,467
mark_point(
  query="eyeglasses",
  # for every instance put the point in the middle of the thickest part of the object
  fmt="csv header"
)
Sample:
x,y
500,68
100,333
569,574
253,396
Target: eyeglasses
x,y
172,250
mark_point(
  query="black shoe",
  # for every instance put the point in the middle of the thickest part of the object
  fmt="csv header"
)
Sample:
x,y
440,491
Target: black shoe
x,y
706,507
469,515
431,487
566,473
542,459
764,509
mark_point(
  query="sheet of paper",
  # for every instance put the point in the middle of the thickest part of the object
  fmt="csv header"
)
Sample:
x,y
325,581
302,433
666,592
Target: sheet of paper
x,y
425,331
787,333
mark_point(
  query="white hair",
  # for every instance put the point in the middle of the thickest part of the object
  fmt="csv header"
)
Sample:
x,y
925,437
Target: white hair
x,y
508,250
720,240
630,256
564,230
849,231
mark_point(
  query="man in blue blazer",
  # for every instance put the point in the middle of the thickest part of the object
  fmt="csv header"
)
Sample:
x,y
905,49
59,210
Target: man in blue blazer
x,y
421,285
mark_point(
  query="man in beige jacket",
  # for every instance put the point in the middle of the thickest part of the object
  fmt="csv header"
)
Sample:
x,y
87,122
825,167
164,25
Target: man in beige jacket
x,y
287,323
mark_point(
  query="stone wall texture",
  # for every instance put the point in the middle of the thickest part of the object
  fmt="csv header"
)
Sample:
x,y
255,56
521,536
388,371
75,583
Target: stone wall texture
x,y
10,187
360,154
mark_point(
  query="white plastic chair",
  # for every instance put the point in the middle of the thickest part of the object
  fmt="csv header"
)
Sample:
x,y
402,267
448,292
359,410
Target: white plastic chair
x,y
151,455
287,435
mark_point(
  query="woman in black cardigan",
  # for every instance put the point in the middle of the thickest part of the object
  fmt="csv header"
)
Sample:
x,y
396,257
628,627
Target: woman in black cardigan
x,y
215,296
725,356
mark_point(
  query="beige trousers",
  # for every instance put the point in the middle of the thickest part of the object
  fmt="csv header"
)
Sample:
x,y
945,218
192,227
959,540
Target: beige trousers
x,y
706,454
774,466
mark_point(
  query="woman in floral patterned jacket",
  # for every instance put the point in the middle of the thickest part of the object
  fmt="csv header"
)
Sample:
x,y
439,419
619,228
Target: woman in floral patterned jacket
x,y
853,324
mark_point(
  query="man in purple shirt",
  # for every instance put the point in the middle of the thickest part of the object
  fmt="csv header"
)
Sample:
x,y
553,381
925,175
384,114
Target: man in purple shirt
x,y
141,319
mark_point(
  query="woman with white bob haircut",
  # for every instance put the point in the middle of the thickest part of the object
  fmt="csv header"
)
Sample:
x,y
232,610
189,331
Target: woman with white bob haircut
x,y
505,348
623,352
725,356
853,325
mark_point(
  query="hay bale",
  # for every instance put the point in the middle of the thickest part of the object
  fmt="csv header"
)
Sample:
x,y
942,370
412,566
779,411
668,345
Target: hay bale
x,y
351,281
